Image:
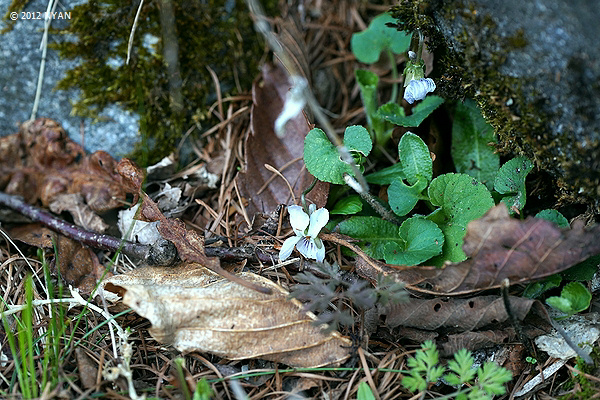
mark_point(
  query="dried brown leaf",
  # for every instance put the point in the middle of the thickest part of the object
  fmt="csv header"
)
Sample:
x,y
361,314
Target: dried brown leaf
x,y
473,341
88,370
40,162
264,190
193,309
501,247
498,247
78,264
461,314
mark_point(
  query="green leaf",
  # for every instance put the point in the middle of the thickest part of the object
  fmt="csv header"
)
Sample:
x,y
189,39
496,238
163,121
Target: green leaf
x,y
536,289
471,150
492,377
403,198
393,113
415,158
373,234
364,392
461,368
387,175
203,390
554,216
423,368
584,271
357,138
574,298
348,205
322,158
423,240
510,181
368,45
461,199
417,167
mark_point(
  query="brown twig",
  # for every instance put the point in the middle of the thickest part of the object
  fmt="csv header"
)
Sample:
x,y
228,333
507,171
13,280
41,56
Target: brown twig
x,y
162,253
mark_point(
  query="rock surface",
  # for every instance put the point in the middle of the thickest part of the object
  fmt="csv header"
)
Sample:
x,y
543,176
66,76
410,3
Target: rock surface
x,y
20,58
534,67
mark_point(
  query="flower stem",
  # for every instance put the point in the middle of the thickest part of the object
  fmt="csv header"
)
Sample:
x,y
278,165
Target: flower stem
x,y
394,95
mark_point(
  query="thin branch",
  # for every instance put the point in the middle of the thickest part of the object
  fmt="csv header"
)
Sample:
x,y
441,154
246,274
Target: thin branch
x,y
132,33
44,47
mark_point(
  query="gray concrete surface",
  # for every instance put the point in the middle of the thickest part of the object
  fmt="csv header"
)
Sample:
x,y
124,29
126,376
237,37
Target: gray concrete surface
x,y
20,58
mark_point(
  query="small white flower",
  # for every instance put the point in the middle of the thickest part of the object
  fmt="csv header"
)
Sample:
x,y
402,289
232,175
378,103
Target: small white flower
x,y
417,89
307,228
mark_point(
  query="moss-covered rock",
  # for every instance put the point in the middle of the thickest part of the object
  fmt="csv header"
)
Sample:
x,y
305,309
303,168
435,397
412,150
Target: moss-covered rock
x,y
208,34
533,68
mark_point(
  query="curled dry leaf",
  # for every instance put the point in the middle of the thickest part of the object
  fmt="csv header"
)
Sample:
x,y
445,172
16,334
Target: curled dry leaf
x,y
193,309
498,247
264,190
40,162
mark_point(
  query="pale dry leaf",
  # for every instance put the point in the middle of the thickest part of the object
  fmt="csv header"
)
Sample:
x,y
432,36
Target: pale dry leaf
x,y
82,214
193,309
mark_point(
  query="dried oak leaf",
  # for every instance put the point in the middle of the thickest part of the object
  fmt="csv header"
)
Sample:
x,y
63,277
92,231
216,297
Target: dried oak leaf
x,y
498,247
461,314
194,309
78,264
263,189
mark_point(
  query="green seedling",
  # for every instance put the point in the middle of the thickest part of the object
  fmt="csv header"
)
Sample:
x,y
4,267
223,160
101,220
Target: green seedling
x,y
472,144
368,45
510,181
364,392
424,370
379,38
531,360
573,298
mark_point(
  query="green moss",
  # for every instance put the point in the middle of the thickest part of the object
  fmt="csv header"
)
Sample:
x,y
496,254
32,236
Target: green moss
x,y
466,71
209,34
15,6
586,388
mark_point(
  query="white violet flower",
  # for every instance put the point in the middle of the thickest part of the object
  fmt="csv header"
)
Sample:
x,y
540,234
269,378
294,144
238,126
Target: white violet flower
x,y
307,228
417,89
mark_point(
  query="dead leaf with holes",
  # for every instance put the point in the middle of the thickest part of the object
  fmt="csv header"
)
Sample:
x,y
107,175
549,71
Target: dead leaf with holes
x,y
264,189
461,314
194,309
